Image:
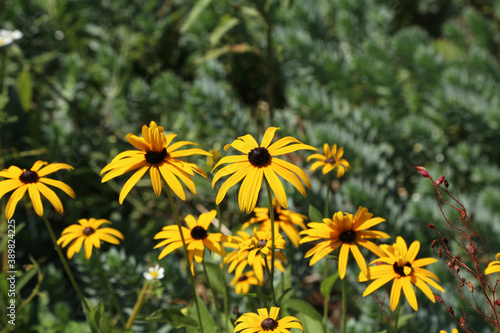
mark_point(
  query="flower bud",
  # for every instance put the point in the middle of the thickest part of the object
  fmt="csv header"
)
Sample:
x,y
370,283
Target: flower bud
x,y
446,184
497,302
423,171
471,288
440,253
441,180
431,226
438,299
434,243
472,249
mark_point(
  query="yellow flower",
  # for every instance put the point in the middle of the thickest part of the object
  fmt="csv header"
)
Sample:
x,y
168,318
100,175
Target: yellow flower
x,y
493,266
331,159
260,161
453,331
248,253
88,234
158,155
284,219
34,181
242,283
398,263
266,322
196,238
347,232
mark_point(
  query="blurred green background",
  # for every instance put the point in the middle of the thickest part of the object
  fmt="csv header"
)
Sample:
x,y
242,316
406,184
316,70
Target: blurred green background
x,y
396,83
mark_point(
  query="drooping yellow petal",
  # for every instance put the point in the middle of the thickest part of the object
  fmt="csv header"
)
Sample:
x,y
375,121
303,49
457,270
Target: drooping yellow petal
x,y
60,185
131,183
51,196
35,199
395,293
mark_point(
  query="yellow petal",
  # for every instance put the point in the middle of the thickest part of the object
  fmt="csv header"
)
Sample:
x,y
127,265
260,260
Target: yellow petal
x,y
9,185
53,167
395,293
51,196
172,181
268,136
131,182
60,185
231,181
409,293
35,199
154,174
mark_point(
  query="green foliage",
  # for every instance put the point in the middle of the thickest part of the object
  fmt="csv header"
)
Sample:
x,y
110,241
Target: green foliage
x,y
396,83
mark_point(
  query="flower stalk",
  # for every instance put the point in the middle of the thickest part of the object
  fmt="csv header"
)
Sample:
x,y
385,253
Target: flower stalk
x,y
138,305
191,279
65,264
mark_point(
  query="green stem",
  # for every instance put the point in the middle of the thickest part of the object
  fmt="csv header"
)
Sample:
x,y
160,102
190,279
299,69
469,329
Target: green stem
x,y
2,203
327,300
65,264
273,296
191,278
110,289
325,275
138,305
271,215
327,194
214,296
396,318
344,305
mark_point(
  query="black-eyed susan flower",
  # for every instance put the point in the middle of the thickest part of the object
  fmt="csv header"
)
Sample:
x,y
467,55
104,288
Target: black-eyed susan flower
x,y
266,322
246,244
159,155
260,161
88,234
154,273
331,159
398,264
242,283
197,238
285,219
33,181
494,266
346,232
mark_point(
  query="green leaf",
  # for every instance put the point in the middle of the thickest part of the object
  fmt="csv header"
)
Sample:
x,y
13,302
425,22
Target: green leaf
x,y
310,324
94,317
173,316
314,214
225,24
214,272
193,15
206,319
25,89
304,308
403,320
327,284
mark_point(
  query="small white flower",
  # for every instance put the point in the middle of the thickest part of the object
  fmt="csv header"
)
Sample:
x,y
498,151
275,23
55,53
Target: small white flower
x,y
154,273
7,36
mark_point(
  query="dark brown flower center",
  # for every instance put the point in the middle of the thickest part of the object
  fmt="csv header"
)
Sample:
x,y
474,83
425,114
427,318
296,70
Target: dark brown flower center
x,y
154,157
269,324
243,278
28,177
88,231
348,236
330,160
262,243
400,269
198,233
259,157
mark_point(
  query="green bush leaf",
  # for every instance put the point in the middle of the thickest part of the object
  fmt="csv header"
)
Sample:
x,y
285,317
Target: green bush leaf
x,y
225,24
198,8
